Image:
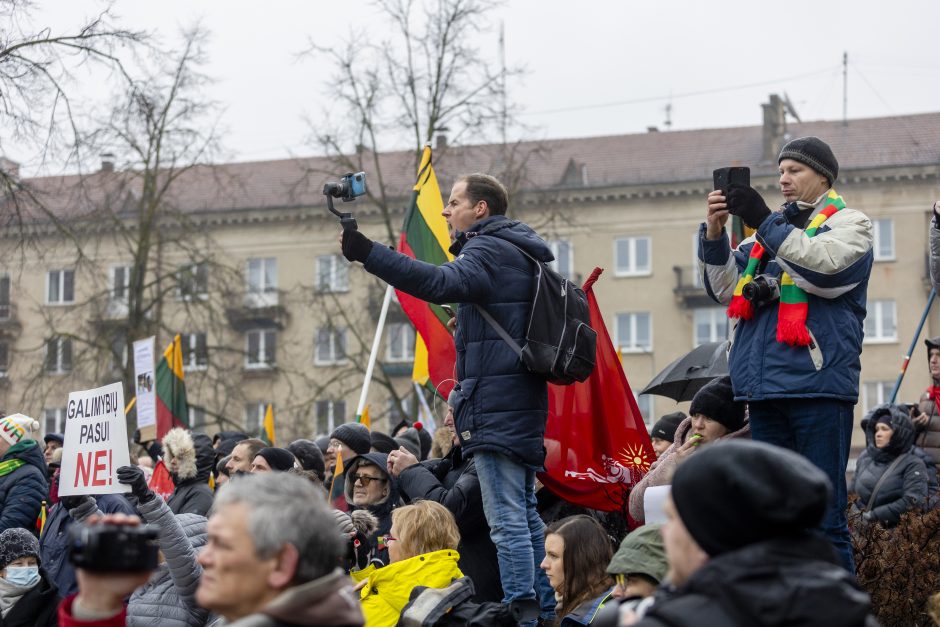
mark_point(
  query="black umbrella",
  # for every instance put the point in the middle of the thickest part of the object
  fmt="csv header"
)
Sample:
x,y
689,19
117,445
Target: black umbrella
x,y
681,379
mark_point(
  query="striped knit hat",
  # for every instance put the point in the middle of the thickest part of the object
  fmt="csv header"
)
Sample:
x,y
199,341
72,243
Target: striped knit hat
x,y
17,427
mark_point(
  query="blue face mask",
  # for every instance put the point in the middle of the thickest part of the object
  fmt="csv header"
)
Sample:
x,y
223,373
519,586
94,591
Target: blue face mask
x,y
23,576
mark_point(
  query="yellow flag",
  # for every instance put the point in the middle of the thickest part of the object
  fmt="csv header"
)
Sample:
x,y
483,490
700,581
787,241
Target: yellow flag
x,y
364,418
269,425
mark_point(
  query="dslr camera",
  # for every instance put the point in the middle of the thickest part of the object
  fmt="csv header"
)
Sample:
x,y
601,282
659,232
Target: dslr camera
x,y
350,187
114,548
761,290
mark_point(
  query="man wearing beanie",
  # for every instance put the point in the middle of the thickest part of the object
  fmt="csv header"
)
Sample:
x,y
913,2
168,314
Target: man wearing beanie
x,y
273,459
713,415
742,545
664,431
23,484
349,440
796,289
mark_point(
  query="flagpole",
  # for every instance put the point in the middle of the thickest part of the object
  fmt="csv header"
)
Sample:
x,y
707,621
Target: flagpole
x,y
375,351
429,424
910,351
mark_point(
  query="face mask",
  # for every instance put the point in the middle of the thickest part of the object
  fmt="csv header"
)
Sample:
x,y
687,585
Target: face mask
x,y
23,576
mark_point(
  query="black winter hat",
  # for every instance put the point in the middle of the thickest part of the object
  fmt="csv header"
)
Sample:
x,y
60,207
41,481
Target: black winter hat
x,y
15,543
931,342
716,401
54,437
738,492
813,152
383,443
665,427
355,435
279,459
309,455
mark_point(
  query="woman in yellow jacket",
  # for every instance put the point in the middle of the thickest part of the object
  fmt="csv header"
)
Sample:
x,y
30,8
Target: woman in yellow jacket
x,y
422,550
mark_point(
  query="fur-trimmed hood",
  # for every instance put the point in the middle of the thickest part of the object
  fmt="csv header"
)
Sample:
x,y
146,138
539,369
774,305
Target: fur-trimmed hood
x,y
193,452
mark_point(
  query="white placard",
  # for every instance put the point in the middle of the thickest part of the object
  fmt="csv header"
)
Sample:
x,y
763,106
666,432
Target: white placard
x,y
146,382
654,500
95,442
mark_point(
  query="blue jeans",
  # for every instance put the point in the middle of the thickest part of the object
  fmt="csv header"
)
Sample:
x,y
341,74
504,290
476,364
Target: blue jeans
x,y
518,532
821,431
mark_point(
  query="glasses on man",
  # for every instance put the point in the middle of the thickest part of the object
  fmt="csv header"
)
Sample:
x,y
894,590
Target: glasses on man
x,y
334,444
365,480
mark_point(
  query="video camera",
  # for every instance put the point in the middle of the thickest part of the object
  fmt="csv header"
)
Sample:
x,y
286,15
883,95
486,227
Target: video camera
x,y
110,548
350,187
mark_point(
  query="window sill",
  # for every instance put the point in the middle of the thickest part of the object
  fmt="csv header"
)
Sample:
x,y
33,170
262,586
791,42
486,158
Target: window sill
x,y
636,351
877,340
632,275
338,362
191,297
203,368
61,304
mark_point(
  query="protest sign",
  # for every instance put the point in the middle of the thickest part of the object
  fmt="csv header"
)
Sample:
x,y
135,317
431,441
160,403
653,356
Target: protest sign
x,y
145,385
95,442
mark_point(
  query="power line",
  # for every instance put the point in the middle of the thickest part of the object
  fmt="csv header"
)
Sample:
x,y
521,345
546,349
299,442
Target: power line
x,y
689,94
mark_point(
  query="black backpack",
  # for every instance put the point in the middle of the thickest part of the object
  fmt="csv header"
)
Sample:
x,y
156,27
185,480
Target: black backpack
x,y
559,344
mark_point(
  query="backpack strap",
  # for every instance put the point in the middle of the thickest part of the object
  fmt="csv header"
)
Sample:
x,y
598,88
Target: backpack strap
x,y
499,329
887,473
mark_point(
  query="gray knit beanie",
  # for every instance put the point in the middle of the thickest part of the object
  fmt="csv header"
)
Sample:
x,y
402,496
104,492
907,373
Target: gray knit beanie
x,y
813,152
16,543
355,435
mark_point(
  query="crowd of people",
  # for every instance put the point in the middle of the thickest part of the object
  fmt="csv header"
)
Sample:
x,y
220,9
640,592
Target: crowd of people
x,y
358,527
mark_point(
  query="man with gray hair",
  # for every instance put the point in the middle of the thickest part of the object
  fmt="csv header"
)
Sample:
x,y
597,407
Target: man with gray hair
x,y
272,555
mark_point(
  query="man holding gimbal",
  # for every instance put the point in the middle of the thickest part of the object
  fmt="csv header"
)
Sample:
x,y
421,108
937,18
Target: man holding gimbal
x,y
797,289
500,408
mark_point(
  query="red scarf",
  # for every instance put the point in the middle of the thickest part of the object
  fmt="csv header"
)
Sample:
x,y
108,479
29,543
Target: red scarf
x,y
934,392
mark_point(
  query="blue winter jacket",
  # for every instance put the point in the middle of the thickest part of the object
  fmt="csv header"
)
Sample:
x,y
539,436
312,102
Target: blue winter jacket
x,y
54,541
833,269
23,490
498,406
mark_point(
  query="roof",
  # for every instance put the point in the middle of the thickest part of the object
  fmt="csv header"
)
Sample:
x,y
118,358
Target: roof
x,y
591,162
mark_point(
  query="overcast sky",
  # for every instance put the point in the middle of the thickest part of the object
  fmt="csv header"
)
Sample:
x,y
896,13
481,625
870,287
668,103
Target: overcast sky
x,y
594,67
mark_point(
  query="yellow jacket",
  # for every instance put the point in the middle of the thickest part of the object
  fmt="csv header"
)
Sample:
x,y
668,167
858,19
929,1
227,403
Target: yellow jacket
x,y
387,590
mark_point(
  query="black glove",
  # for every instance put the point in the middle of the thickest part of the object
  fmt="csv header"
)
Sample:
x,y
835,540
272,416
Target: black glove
x,y
71,502
356,246
748,205
134,477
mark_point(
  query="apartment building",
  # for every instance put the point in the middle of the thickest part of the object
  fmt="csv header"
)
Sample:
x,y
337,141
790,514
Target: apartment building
x,y
249,270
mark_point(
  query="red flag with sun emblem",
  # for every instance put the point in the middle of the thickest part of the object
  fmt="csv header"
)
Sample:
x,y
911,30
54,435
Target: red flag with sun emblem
x,y
597,445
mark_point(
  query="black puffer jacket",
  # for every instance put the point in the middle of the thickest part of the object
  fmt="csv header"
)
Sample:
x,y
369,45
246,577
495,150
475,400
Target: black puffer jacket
x,y
195,461
452,482
906,487
23,490
382,510
498,404
786,581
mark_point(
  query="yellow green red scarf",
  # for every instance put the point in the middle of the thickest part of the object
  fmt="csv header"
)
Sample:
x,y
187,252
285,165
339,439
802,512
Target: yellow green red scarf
x,y
794,303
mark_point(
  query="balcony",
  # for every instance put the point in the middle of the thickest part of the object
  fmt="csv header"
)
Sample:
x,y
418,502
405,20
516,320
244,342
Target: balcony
x,y
689,291
257,311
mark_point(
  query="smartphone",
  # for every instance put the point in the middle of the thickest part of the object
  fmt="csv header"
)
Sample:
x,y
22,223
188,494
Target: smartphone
x,y
725,177
449,311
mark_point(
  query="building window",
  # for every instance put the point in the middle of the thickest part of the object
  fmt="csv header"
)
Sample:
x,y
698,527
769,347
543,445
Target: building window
x,y
645,404
54,420
881,322
120,283
4,296
58,355
400,342
875,393
192,281
195,351
331,346
332,273
60,287
118,352
4,358
262,282
197,417
632,256
563,264
634,332
261,345
254,417
884,239
711,325
330,414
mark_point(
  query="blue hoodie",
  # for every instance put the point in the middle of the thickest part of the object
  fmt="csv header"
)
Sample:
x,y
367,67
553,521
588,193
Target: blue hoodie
x,y
498,404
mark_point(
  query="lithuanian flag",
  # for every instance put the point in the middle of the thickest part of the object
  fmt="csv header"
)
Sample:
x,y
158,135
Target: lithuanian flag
x,y
267,428
424,237
172,410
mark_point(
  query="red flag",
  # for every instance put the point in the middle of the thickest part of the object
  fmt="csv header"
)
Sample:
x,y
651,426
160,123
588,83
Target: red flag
x,y
597,444
161,482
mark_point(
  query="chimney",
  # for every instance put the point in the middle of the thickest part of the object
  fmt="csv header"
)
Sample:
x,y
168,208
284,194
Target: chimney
x,y
10,168
775,128
107,162
440,141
